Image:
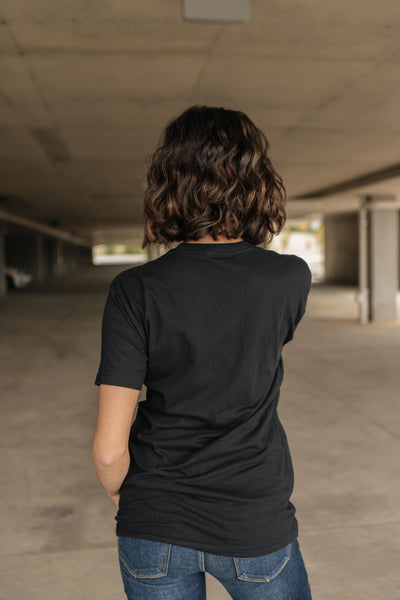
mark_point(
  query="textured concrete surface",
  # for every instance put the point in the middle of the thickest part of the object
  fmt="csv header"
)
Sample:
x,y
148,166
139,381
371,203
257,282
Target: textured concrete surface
x,y
339,405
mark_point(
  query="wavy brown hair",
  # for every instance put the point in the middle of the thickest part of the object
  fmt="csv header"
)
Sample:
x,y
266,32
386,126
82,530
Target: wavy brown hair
x,y
211,175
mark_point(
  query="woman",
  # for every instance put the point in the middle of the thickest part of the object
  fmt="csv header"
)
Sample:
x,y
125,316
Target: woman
x,y
202,478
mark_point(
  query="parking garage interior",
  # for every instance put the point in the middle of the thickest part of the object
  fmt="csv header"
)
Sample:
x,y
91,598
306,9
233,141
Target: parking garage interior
x,y
85,91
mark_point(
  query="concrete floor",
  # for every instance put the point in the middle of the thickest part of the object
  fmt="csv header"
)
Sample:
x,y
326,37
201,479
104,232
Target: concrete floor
x,y
339,405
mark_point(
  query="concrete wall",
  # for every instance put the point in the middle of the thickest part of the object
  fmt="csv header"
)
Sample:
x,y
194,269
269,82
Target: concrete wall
x,y
43,256
341,248
19,249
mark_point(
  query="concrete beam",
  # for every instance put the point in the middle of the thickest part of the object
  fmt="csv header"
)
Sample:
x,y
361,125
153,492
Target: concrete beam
x,y
6,215
354,183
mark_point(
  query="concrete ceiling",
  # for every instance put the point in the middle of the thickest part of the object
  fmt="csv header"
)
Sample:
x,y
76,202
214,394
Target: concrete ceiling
x,y
87,87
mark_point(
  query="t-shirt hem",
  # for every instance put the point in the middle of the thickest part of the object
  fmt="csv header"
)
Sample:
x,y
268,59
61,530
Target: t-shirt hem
x,y
239,552
136,384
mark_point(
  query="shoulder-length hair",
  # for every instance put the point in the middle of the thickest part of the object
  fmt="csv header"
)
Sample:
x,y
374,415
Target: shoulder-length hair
x,y
211,175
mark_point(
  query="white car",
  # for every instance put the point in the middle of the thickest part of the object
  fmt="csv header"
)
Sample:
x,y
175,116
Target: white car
x,y
17,278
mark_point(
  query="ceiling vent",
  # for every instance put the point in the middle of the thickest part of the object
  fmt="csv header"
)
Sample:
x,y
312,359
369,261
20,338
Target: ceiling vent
x,y
217,11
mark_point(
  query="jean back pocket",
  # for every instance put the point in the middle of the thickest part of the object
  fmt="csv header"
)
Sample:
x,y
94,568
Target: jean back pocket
x,y
144,558
262,568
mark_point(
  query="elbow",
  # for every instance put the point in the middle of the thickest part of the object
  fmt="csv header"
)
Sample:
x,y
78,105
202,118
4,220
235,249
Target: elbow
x,y
106,457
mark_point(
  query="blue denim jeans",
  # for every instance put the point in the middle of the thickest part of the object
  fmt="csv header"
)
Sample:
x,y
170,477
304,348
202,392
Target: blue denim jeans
x,y
154,570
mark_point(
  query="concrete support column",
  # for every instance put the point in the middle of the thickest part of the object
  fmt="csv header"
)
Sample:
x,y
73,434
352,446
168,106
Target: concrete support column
x,y
3,284
62,256
58,263
153,251
84,255
67,247
48,251
38,262
72,264
384,262
81,255
341,248
87,255
363,262
75,260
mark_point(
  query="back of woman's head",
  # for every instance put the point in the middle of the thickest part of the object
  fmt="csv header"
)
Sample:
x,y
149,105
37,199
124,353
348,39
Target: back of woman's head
x,y
211,175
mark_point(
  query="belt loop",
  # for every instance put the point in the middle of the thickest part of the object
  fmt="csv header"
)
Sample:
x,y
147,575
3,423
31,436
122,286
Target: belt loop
x,y
200,559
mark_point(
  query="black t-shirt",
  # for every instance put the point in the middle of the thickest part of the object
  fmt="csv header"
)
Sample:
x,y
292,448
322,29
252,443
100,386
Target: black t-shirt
x,y
203,327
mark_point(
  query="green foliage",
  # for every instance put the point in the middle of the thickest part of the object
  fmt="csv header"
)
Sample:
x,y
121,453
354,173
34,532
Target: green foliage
x,y
285,236
135,249
123,249
303,227
321,235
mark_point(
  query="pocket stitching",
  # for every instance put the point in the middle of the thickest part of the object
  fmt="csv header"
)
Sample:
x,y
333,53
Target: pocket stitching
x,y
162,574
264,579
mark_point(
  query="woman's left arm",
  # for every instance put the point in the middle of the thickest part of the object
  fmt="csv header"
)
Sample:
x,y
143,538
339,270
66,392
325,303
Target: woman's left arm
x,y
110,450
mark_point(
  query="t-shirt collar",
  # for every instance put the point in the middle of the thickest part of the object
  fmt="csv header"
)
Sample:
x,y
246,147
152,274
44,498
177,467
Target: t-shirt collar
x,y
214,248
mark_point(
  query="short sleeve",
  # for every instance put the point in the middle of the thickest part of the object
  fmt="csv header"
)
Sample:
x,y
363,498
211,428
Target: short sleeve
x,y
302,279
123,344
